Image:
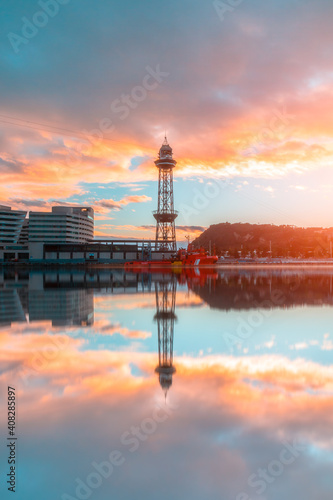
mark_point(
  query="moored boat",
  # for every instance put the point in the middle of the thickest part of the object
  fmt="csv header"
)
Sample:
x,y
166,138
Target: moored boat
x,y
196,257
190,257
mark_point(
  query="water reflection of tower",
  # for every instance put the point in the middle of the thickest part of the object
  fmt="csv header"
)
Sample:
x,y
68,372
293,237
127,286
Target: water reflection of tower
x,y
165,316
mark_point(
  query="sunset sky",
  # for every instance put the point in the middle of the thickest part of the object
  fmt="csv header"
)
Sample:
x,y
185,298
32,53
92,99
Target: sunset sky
x,y
244,93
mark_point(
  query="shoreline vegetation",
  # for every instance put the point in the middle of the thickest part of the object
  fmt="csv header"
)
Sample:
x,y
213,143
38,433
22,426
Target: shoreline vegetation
x,y
240,241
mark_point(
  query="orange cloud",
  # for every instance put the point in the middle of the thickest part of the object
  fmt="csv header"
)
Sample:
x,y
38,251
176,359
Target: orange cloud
x,y
104,328
117,205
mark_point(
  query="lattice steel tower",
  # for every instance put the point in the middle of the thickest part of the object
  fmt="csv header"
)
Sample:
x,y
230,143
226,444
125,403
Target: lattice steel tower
x,y
165,316
165,215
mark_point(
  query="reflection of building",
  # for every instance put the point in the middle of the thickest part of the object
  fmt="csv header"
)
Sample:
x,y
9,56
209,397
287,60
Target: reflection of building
x,y
11,307
13,297
11,223
24,295
62,307
165,215
165,290
62,225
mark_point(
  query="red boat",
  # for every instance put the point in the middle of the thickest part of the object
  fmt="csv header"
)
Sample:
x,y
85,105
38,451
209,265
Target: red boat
x,y
192,257
195,257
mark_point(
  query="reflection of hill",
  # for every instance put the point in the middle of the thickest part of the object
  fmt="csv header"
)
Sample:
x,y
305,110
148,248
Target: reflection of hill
x,y
67,298
245,290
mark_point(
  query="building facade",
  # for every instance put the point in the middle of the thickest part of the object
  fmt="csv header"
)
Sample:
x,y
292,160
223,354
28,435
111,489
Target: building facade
x,y
62,225
11,224
115,251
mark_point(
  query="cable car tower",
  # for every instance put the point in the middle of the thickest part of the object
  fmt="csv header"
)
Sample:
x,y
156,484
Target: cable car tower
x,y
165,290
165,214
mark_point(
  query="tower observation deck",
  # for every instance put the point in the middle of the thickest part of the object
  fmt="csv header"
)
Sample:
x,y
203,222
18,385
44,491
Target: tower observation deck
x,y
165,214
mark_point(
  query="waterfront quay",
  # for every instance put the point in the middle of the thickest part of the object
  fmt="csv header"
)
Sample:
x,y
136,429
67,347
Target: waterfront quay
x,y
101,252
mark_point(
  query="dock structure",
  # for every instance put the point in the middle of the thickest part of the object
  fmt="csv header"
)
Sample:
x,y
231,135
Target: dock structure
x,y
97,251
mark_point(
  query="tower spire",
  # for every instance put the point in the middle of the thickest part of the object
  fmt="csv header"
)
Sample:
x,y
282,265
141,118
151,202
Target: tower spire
x,y
165,214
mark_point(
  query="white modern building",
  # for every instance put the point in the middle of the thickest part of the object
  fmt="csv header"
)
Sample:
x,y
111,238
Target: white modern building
x,y
11,224
62,225
24,236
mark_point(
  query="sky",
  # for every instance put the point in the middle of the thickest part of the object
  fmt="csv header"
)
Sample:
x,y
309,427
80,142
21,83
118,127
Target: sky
x,y
243,90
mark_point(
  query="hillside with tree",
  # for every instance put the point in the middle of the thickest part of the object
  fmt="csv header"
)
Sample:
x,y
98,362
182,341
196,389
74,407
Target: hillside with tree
x,y
265,240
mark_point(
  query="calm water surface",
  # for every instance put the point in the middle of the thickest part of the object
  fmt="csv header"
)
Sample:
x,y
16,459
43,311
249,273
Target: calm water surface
x,y
205,385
